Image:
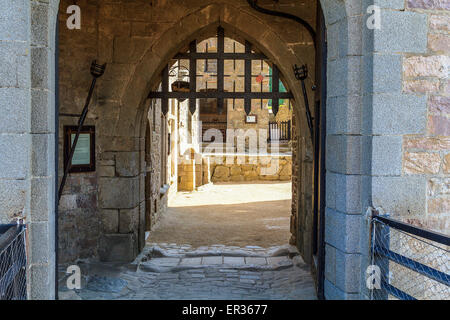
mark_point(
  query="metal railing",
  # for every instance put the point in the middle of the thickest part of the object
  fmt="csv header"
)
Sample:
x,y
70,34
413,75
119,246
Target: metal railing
x,y
13,283
280,131
411,263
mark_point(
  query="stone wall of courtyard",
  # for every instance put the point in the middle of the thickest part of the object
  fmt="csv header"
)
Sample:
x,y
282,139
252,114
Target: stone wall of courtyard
x,y
249,168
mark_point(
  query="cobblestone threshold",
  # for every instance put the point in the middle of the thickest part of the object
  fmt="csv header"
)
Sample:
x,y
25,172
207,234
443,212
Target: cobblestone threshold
x,y
170,271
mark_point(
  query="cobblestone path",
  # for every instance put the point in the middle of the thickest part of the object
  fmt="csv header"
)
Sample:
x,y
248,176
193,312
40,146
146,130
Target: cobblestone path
x,y
169,271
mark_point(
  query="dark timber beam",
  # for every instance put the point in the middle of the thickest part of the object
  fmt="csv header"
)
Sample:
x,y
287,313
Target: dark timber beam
x,y
165,89
275,88
248,79
217,55
220,66
192,77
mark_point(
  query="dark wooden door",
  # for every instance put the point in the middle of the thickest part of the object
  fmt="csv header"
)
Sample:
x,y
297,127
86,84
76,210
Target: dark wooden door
x,y
318,248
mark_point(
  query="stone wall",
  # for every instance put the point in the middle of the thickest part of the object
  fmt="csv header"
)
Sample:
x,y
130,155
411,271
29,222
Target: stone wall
x,y
86,220
78,221
284,114
236,121
154,117
426,156
248,168
188,175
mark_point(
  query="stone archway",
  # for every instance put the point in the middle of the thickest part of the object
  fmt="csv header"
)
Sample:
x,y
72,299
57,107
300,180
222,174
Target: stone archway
x,y
349,151
132,108
208,18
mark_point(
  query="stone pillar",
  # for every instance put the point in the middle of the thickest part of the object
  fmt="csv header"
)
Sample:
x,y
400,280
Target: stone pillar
x,y
186,175
27,128
346,148
119,199
206,170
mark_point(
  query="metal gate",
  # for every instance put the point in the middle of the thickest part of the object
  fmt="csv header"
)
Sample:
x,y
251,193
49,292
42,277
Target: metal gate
x,y
189,90
13,284
280,131
407,262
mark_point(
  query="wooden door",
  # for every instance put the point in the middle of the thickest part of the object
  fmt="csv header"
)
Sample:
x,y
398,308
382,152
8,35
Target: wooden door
x,y
318,246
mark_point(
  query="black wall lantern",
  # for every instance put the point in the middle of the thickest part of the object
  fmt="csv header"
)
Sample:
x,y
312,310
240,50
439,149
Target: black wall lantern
x,y
180,85
301,73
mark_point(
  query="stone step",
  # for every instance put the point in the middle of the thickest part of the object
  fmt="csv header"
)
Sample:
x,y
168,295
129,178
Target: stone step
x,y
172,257
174,264
155,250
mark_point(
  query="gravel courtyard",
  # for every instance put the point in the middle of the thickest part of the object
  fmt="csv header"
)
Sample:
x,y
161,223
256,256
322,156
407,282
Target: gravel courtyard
x,y
254,213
